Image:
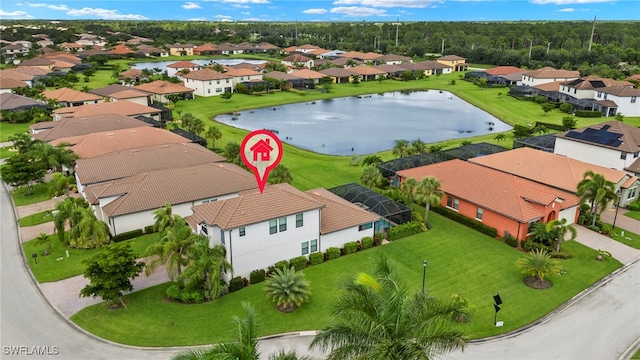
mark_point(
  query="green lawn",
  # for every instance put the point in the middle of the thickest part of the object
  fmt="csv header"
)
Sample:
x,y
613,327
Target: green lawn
x,y
36,219
49,268
636,355
39,192
7,129
633,214
629,238
460,261
5,152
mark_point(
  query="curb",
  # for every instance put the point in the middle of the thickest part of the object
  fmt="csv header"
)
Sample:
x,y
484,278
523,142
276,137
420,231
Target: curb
x,y
630,350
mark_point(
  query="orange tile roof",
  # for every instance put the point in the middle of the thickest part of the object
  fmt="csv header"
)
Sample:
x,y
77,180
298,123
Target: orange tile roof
x,y
252,207
503,70
307,74
128,162
183,65
241,72
551,86
122,107
491,189
551,73
206,74
163,87
8,83
70,95
338,213
546,168
129,94
366,70
451,57
96,144
361,55
627,184
296,58
71,127
151,190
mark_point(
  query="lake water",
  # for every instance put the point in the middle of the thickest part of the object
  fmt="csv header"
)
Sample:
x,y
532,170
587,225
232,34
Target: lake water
x,y
370,123
163,64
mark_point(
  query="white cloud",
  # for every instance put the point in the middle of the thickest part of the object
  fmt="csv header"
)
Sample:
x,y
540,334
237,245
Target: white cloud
x,y
14,15
388,3
568,2
104,14
240,6
358,11
567,10
50,6
198,19
191,5
245,13
253,19
243,1
314,11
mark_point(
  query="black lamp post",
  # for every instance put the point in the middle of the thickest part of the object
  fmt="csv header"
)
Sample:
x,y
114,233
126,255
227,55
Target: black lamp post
x,y
615,216
424,273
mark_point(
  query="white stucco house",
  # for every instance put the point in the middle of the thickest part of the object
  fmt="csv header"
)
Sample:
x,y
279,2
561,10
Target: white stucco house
x,y
282,223
548,74
207,82
625,97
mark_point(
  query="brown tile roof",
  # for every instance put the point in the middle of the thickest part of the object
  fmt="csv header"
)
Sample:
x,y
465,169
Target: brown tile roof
x,y
251,207
491,189
36,62
390,69
628,135
338,213
366,70
70,95
108,90
451,57
9,101
551,86
279,75
15,75
8,83
594,82
130,74
128,162
558,171
183,65
206,74
122,107
503,70
419,66
360,55
151,190
307,74
318,51
342,61
70,127
307,47
336,72
34,71
429,64
296,58
551,73
163,87
129,94
393,57
232,71
621,91
96,144
180,46
607,103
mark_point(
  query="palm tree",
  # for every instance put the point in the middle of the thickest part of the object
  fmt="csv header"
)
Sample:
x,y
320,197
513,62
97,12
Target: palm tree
x,y
408,189
560,228
418,146
288,355
538,264
67,213
540,234
598,190
371,176
164,218
206,264
214,134
88,232
287,288
280,174
428,192
400,148
244,347
376,317
171,248
60,184
44,240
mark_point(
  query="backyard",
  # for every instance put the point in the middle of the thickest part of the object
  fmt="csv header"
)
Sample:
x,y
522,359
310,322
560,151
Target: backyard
x,y
460,261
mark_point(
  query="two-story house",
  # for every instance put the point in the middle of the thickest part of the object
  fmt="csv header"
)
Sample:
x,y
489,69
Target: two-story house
x,y
457,63
624,97
208,82
181,49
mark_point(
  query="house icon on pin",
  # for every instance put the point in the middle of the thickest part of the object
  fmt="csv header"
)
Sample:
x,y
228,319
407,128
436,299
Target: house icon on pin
x,y
261,150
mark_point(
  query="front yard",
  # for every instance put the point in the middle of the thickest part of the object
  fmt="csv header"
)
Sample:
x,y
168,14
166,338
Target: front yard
x,y
460,261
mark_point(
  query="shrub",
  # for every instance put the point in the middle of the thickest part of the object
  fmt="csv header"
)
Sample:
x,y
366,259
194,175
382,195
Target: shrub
x,y
149,229
606,229
316,258
593,228
474,224
187,295
566,108
236,284
333,253
560,255
284,264
127,235
533,246
367,242
510,240
540,99
588,113
350,247
257,276
404,230
298,263
377,238
634,206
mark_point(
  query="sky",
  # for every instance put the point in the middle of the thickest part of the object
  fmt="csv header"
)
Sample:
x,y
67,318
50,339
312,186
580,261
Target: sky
x,y
322,10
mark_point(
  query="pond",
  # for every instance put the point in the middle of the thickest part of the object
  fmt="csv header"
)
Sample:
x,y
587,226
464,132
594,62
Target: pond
x,y
163,64
370,123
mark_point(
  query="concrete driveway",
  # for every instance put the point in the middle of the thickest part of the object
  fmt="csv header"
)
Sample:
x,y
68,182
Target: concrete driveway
x,y
619,251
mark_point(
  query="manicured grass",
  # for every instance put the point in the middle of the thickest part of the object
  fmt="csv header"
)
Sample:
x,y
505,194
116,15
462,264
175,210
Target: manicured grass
x,y
36,219
460,260
636,355
8,129
39,192
5,152
633,214
49,268
629,238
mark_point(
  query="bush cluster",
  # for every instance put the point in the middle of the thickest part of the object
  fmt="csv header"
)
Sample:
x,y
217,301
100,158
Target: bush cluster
x,y
316,258
404,230
510,240
634,206
149,229
332,253
127,235
186,295
533,246
474,224
350,247
298,263
588,113
237,283
367,242
257,276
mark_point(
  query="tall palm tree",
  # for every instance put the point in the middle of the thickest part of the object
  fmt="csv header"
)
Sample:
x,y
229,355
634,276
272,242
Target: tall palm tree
x,y
560,228
244,347
408,189
376,317
171,248
538,264
597,190
371,176
214,134
60,184
401,148
164,218
288,355
67,213
44,240
500,138
88,232
287,288
206,264
419,146
428,192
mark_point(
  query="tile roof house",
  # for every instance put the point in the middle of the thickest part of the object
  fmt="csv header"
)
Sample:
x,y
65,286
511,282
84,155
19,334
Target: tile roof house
x,y
181,49
548,74
297,60
560,172
259,230
503,70
391,70
176,67
308,74
41,63
357,55
626,98
367,73
122,107
6,84
9,101
26,74
455,62
129,162
127,204
242,74
133,95
70,97
393,59
159,90
69,127
107,91
611,144
503,201
208,82
339,75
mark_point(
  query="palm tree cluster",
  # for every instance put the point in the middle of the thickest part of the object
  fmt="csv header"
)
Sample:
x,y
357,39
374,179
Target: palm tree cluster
x,y
404,148
85,230
597,191
426,192
190,261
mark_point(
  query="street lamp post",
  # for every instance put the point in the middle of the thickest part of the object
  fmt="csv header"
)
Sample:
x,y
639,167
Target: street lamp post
x,y
615,216
424,273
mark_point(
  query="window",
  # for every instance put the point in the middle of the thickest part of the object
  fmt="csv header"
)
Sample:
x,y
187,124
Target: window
x,y
314,246
204,230
217,81
633,99
218,90
635,155
209,82
623,156
299,220
456,204
305,248
632,193
599,94
273,227
242,231
208,91
365,226
575,91
283,224
449,201
479,213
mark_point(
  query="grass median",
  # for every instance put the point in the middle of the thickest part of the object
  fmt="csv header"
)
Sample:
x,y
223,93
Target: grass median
x,y
460,260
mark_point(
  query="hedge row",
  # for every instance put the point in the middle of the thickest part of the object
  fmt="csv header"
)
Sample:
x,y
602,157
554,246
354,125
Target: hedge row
x,y
127,235
404,230
474,224
588,113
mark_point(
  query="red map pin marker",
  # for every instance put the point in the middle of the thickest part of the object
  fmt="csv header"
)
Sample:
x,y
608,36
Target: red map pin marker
x,y
261,151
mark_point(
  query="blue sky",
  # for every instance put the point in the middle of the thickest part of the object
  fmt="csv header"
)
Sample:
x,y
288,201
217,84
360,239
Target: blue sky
x,y
322,10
